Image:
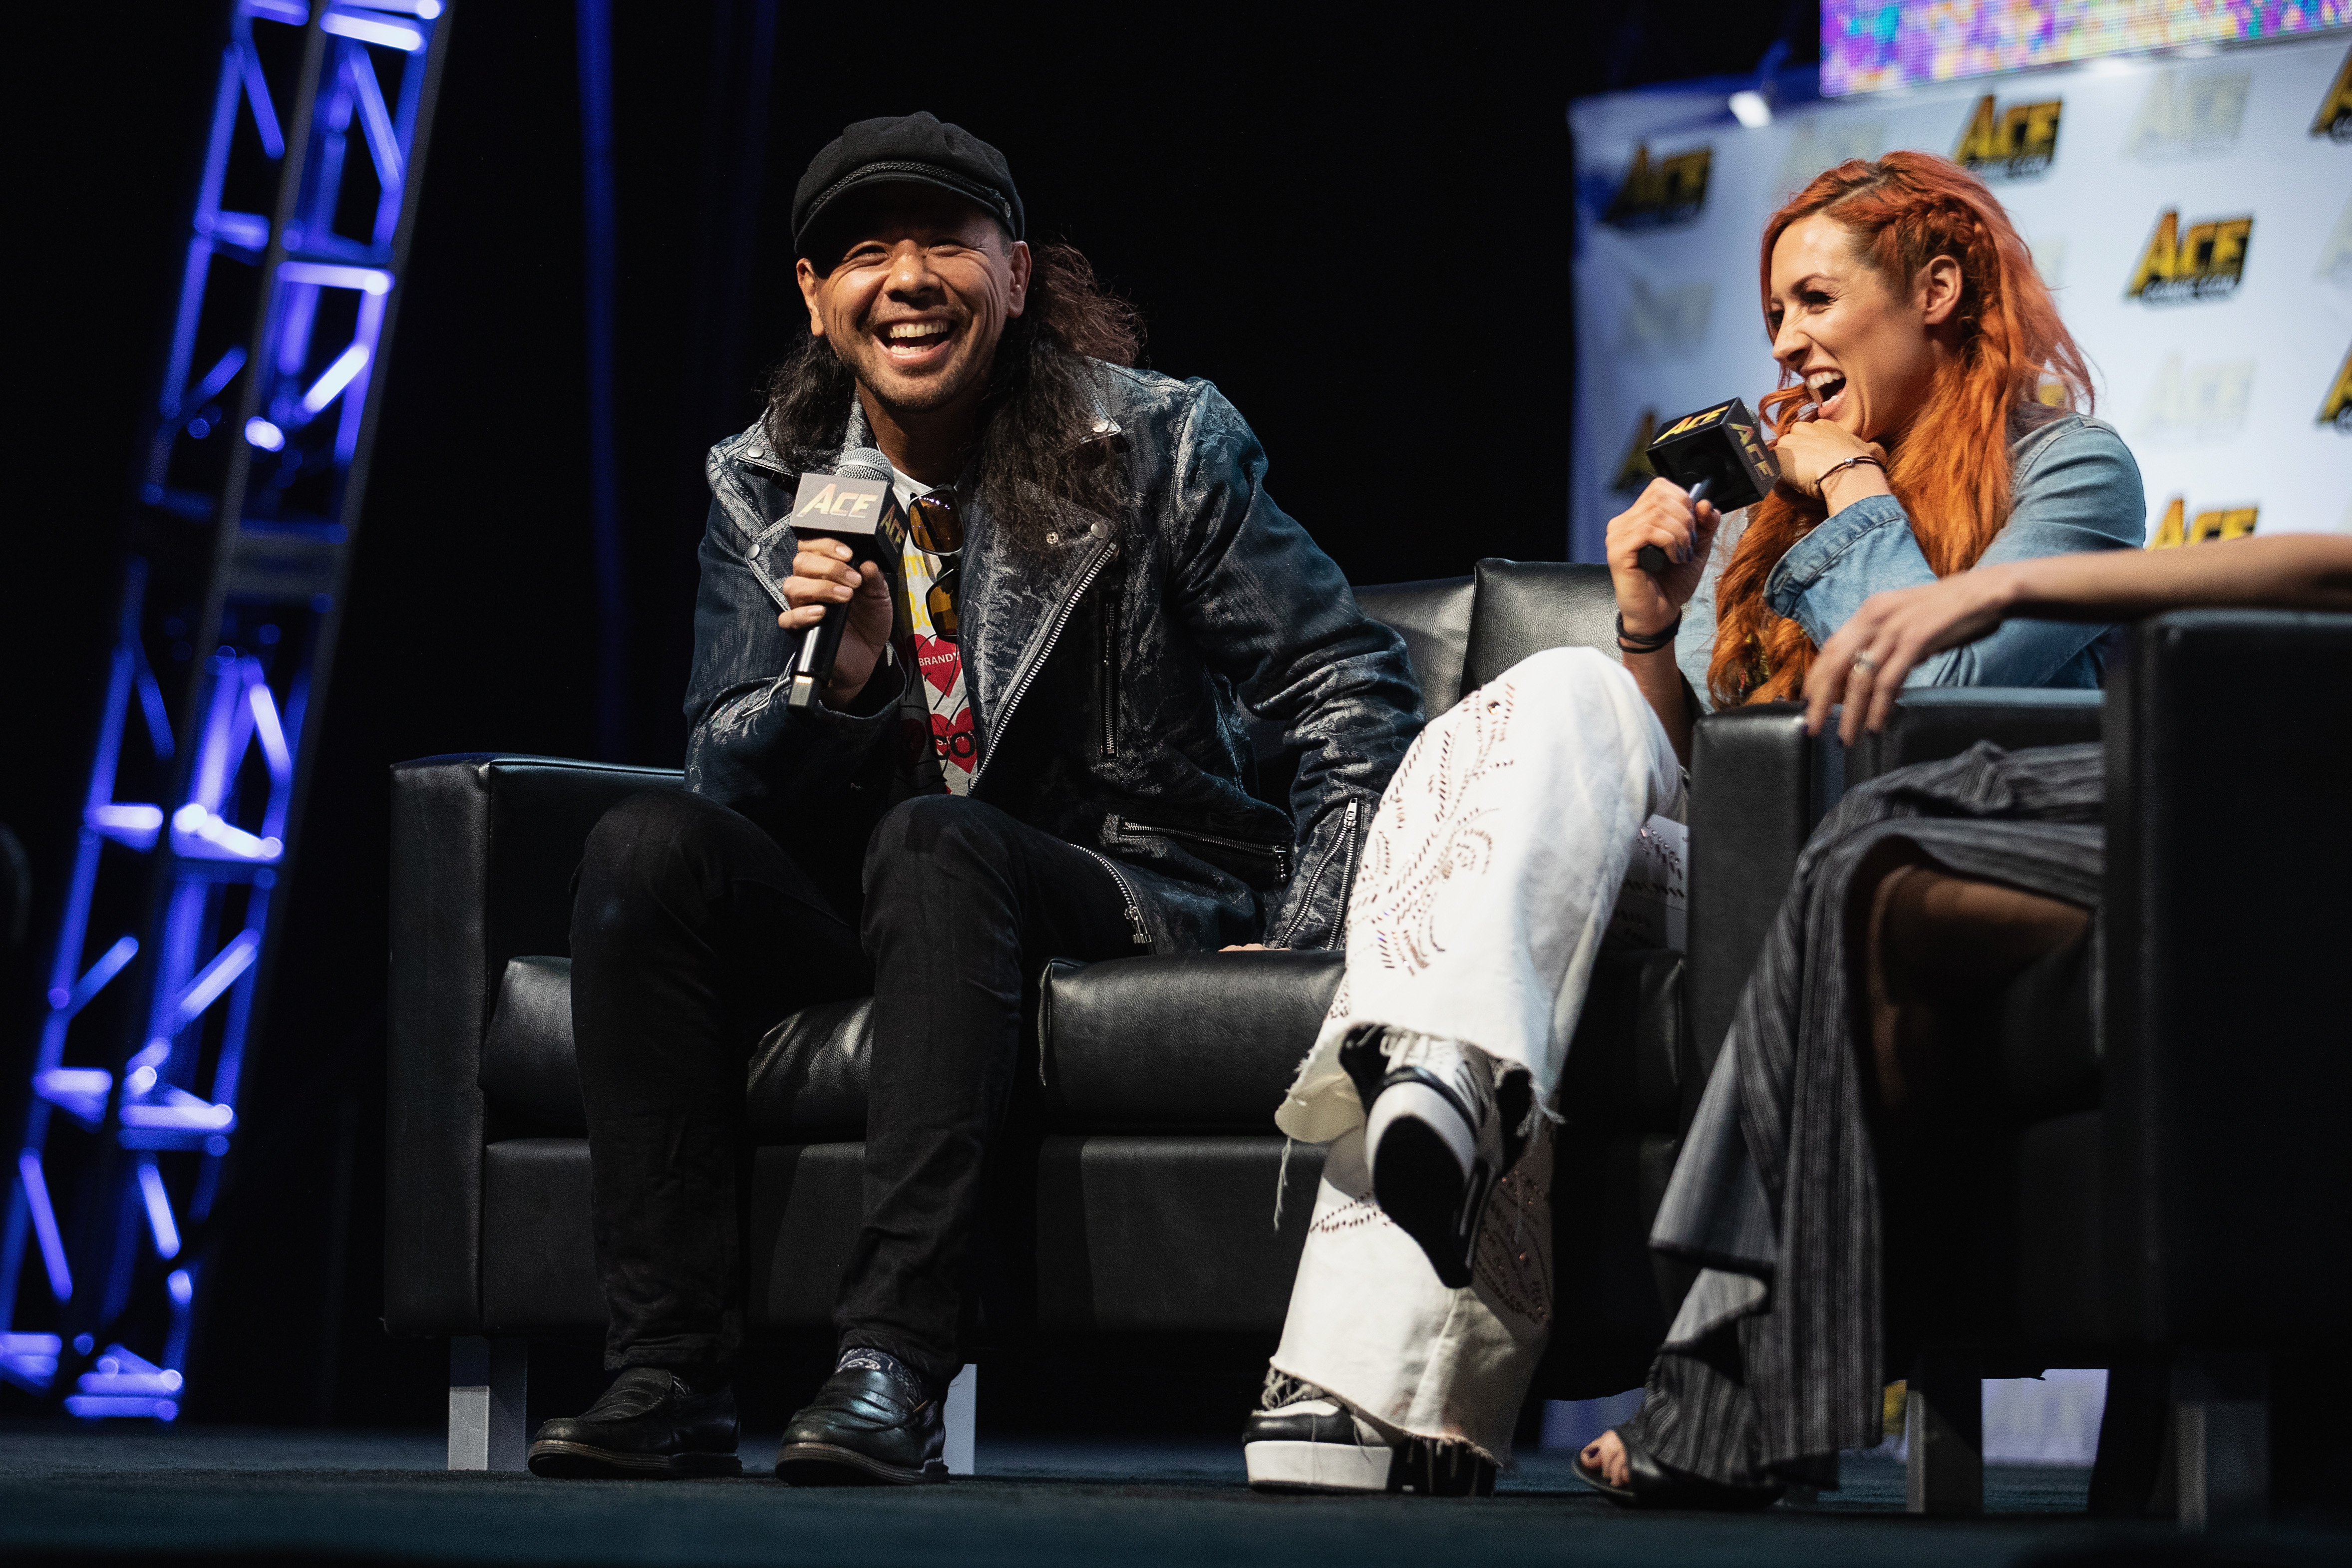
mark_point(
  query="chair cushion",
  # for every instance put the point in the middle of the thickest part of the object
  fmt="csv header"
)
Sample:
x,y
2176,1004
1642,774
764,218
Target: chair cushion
x,y
528,1068
1526,606
1208,1041
1433,618
1191,1042
807,1075
1195,1042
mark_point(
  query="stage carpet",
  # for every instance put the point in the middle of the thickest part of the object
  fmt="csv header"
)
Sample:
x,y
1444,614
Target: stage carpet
x,y
82,1494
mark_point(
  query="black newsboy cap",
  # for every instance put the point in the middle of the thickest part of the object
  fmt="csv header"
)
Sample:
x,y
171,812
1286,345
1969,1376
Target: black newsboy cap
x,y
918,149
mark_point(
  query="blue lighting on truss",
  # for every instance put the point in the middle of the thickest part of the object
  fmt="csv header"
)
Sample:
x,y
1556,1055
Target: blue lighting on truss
x,y
152,1072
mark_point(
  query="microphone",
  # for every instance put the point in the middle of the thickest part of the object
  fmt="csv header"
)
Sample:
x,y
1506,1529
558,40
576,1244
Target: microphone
x,y
852,505
1715,455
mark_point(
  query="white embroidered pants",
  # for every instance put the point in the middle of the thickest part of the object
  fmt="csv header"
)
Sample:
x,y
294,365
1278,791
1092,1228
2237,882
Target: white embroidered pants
x,y
1489,877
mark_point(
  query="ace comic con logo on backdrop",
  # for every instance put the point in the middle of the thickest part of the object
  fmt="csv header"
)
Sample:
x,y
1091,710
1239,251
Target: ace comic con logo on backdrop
x,y
2176,527
2335,409
2335,117
2204,261
1669,192
2017,143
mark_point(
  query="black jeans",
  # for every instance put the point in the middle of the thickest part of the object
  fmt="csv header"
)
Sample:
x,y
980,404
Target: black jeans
x,y
692,932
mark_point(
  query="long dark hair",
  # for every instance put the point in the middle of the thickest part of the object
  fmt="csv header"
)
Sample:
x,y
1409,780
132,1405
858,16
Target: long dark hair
x,y
1043,390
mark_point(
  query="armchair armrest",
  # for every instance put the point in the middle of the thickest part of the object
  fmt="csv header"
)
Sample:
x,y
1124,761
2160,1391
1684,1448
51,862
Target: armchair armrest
x,y
2228,985
482,852
1760,785
1935,722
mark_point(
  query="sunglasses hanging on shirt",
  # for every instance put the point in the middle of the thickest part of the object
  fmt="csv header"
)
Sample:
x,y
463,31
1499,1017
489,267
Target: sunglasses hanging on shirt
x,y
938,532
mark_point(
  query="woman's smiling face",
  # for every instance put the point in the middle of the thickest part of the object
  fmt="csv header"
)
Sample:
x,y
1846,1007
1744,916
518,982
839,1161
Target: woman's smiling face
x,y
1867,349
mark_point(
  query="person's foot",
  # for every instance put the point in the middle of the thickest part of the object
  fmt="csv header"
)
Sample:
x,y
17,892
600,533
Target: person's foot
x,y
1442,1123
874,1423
1302,1439
651,1422
1626,1474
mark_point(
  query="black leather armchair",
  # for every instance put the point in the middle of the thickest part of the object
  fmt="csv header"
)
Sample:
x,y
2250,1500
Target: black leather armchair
x,y
1155,1189
2168,1158
2176,1185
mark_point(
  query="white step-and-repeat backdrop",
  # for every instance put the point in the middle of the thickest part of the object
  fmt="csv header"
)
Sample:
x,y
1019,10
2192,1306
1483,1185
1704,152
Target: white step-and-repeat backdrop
x,y
2194,217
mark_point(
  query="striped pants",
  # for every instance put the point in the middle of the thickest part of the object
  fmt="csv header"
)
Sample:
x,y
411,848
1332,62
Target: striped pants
x,y
1775,1359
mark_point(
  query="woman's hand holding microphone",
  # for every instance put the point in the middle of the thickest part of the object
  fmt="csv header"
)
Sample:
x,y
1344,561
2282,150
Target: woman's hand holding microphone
x,y
1649,605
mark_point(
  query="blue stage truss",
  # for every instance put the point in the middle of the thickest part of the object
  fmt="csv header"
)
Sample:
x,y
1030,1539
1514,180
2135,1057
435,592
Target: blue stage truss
x,y
234,588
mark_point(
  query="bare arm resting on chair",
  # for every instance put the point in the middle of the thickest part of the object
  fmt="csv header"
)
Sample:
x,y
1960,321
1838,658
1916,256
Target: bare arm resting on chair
x,y
1863,664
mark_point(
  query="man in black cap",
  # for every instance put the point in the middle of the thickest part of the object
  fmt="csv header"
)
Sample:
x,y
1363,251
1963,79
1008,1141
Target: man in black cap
x,y
1031,744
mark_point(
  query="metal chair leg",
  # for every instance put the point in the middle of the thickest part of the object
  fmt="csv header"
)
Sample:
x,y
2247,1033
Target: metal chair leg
x,y
489,1386
962,1417
1943,1425
2222,1434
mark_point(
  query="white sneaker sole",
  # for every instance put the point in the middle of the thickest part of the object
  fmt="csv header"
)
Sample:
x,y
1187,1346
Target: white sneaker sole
x,y
1317,1467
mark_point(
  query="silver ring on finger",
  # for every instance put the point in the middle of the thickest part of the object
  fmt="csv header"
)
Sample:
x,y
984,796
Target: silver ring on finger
x,y
1865,660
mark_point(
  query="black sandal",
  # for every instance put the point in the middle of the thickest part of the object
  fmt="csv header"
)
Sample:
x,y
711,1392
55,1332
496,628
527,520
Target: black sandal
x,y
1653,1485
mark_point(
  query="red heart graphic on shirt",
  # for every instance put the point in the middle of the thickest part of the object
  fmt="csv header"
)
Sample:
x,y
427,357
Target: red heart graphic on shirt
x,y
940,661
953,740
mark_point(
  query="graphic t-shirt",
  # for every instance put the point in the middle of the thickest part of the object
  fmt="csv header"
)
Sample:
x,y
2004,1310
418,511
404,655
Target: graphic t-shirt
x,y
940,744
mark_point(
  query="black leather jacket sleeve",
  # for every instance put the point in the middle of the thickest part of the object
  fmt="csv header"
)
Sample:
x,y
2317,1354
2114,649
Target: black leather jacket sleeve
x,y
747,750
1275,617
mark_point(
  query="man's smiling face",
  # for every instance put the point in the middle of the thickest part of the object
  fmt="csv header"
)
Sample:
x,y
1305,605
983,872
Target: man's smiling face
x,y
922,287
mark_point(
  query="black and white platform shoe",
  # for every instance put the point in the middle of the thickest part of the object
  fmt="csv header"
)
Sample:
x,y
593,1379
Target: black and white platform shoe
x,y
1305,1441
1442,1123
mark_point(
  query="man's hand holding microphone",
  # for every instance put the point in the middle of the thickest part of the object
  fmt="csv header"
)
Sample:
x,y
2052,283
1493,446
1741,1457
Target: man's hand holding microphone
x,y
824,573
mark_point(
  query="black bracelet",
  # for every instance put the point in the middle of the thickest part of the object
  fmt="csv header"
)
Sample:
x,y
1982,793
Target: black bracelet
x,y
1632,643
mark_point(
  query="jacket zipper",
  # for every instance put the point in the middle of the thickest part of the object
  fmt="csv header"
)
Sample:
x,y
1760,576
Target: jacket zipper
x,y
1314,883
1142,937
1109,701
1279,854
1029,672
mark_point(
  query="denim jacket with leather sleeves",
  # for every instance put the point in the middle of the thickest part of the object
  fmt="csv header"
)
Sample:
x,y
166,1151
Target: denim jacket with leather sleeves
x,y
1108,665
2073,486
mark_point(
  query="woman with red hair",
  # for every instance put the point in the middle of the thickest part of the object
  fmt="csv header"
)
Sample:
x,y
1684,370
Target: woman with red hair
x,y
1926,429
1926,423
1915,343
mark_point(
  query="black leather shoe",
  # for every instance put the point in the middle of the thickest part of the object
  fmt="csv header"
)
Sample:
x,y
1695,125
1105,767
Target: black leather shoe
x,y
648,1424
863,1429
1653,1485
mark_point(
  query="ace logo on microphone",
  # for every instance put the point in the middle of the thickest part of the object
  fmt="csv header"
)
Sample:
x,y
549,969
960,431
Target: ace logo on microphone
x,y
828,503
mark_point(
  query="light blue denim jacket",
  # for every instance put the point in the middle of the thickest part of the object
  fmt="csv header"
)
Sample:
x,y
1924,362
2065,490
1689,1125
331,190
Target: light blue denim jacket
x,y
2073,486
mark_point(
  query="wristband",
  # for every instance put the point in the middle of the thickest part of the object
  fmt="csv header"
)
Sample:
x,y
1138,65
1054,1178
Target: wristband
x,y
1822,485
1635,643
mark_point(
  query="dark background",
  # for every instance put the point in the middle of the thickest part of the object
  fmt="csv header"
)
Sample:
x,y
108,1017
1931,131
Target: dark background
x,y
1358,225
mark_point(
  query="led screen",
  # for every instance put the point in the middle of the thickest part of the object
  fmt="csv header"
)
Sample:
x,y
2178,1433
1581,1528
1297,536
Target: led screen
x,y
1872,44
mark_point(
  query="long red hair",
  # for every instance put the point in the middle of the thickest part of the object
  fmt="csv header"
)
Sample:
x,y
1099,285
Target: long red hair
x,y
1904,211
